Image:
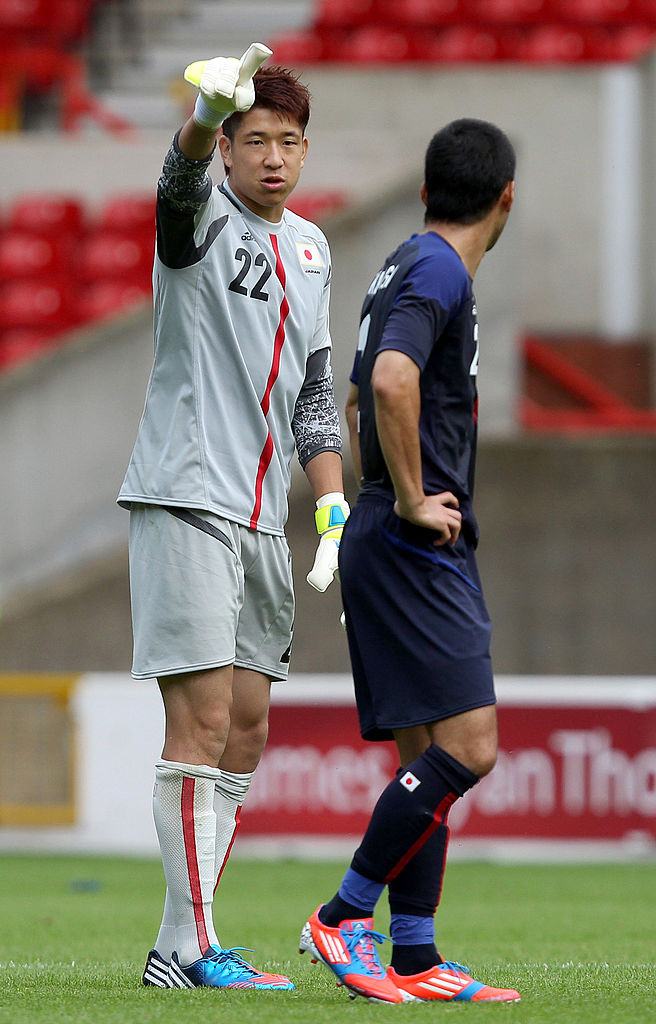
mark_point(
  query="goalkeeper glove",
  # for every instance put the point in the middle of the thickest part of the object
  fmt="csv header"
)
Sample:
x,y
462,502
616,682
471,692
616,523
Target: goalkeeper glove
x,y
226,85
330,516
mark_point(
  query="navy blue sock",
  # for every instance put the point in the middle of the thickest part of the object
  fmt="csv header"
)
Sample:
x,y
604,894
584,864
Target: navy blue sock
x,y
416,890
414,959
414,895
413,898
356,898
411,808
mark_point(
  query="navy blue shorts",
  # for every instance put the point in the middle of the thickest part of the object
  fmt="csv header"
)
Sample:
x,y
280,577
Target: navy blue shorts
x,y
417,625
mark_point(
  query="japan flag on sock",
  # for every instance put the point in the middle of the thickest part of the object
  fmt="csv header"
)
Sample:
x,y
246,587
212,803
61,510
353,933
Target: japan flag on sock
x,y
410,781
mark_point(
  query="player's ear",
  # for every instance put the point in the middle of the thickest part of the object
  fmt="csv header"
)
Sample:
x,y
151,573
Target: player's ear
x,y
225,149
304,150
424,194
508,196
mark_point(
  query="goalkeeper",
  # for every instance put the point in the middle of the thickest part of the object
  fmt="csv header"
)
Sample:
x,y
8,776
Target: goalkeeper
x,y
241,381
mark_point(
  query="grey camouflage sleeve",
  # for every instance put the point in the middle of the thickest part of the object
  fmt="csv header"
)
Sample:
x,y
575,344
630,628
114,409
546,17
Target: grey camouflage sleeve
x,y
184,183
316,420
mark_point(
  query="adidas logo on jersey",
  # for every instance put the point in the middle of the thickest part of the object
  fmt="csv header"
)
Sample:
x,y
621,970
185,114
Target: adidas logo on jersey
x,y
247,237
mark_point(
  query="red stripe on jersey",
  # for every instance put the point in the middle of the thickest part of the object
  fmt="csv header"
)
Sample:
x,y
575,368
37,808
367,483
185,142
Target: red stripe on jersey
x,y
439,818
189,833
279,341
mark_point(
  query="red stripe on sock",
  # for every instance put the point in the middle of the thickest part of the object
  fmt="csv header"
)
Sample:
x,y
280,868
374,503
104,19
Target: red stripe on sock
x,y
229,850
439,817
279,341
189,833
446,850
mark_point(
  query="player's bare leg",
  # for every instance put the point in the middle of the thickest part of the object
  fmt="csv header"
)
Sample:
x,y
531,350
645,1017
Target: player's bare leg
x,y
470,737
249,728
197,706
249,721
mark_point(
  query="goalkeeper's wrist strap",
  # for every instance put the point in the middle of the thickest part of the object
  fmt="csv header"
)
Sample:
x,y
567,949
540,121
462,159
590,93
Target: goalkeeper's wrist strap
x,y
332,511
206,117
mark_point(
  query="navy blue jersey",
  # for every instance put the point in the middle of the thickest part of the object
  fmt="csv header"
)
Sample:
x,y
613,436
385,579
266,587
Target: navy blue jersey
x,y
421,303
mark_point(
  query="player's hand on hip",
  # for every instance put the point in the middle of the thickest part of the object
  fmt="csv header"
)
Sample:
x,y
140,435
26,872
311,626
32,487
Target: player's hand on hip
x,y
438,512
330,516
226,84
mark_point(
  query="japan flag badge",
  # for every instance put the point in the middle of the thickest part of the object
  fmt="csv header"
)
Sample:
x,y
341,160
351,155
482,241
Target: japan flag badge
x,y
410,781
308,254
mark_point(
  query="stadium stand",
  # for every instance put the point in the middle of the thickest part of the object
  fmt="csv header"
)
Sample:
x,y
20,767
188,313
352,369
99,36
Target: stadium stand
x,y
103,259
464,31
63,265
51,214
43,46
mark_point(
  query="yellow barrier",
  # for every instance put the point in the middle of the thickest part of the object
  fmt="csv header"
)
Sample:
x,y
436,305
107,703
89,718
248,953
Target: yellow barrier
x,y
37,750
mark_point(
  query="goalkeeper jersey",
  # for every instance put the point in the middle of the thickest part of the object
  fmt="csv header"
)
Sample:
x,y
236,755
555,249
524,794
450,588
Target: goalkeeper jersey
x,y
240,306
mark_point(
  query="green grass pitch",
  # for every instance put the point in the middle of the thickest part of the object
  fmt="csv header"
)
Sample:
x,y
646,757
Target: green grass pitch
x,y
578,941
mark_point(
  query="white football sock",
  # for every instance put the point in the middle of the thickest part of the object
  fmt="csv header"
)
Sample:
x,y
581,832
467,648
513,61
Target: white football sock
x,y
165,942
186,828
229,794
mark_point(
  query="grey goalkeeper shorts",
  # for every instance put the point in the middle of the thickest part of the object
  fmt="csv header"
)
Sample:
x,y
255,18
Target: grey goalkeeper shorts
x,y
207,592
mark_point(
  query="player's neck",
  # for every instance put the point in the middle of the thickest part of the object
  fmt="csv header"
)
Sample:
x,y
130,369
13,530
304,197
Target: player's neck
x,y
468,240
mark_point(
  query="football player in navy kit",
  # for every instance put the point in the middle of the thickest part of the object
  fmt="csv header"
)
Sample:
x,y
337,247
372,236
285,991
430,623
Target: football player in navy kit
x,y
417,625
241,382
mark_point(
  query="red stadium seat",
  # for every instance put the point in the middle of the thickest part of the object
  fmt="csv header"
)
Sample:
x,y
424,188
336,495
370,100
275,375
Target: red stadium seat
x,y
622,42
42,66
128,212
44,21
344,13
71,20
55,214
24,19
420,13
462,44
23,343
552,44
645,11
505,12
107,298
305,47
594,12
316,205
375,44
26,254
110,256
46,305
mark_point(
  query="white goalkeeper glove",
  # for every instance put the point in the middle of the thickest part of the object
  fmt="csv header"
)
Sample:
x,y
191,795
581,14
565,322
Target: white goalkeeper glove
x,y
226,85
330,516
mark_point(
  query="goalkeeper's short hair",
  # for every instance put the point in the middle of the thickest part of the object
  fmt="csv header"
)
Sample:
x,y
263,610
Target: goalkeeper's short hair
x,y
277,89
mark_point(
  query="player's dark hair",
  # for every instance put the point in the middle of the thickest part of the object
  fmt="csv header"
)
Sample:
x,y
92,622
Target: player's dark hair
x,y
280,90
468,165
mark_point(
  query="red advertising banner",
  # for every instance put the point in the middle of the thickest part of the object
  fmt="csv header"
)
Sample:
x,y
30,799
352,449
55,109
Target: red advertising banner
x,y
577,761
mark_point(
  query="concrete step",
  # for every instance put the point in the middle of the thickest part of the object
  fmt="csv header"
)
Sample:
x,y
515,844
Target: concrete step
x,y
149,91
